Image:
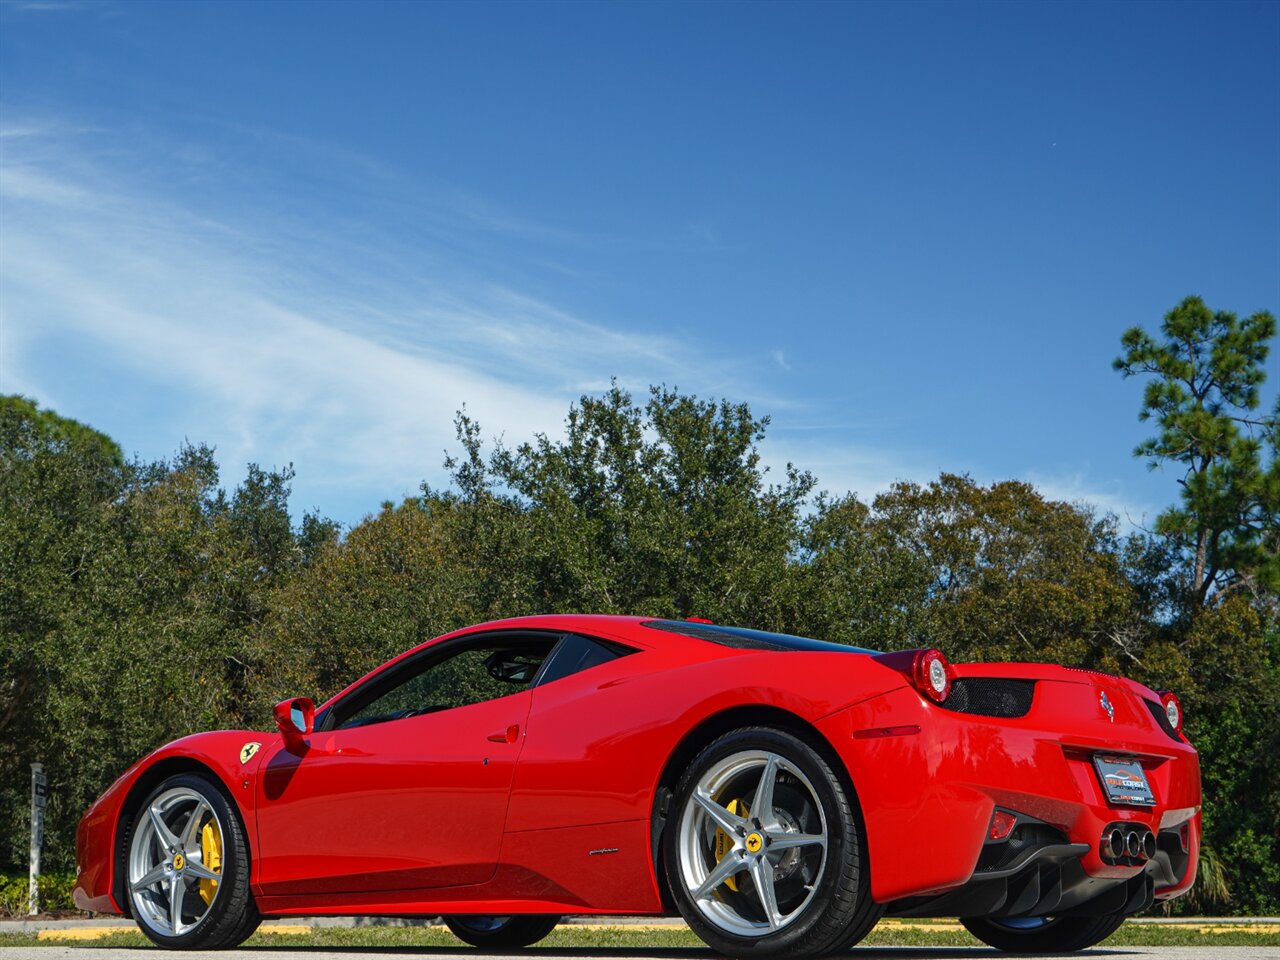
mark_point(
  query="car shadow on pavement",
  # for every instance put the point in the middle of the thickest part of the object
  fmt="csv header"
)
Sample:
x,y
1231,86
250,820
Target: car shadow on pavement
x,y
665,953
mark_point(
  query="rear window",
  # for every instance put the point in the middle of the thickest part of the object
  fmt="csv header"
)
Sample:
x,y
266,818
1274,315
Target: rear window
x,y
744,639
576,653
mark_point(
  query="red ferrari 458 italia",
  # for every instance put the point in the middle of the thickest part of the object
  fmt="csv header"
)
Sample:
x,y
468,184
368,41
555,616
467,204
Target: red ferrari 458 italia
x,y
779,793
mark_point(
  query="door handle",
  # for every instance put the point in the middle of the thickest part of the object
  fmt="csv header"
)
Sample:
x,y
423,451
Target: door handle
x,y
508,735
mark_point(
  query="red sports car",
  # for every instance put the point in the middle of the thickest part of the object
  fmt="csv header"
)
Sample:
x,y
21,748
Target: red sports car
x,y
779,793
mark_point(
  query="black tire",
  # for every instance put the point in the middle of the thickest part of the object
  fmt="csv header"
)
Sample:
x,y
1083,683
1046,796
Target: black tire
x,y
863,923
233,916
839,911
1055,935
501,933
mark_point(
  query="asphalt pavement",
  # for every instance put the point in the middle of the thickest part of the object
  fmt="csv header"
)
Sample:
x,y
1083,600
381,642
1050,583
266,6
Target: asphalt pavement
x,y
624,953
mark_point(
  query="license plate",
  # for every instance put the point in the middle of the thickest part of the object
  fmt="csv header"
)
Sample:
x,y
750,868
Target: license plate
x,y
1124,781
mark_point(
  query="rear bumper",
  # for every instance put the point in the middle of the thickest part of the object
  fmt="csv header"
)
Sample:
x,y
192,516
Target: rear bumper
x,y
929,779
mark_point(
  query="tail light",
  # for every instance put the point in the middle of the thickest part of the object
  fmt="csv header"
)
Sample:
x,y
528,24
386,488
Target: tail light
x,y
932,674
1172,710
1002,822
928,670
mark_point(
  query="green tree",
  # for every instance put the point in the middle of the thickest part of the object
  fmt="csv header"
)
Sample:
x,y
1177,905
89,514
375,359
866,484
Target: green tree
x,y
1203,395
142,601
129,593
1009,575
663,509
1208,579
394,581
58,481
853,581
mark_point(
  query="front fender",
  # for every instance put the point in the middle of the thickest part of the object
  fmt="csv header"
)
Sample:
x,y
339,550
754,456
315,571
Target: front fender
x,y
98,887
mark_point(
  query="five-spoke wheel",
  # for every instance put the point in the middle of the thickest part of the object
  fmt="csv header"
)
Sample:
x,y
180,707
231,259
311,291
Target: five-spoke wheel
x,y
750,865
764,855
188,867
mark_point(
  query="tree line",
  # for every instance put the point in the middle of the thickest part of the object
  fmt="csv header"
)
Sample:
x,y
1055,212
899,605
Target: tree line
x,y
142,600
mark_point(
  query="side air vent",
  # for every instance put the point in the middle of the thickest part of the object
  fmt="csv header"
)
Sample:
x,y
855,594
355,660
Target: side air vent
x,y
991,696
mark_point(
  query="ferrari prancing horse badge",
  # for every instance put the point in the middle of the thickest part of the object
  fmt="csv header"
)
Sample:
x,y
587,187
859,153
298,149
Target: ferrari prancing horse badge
x,y
247,751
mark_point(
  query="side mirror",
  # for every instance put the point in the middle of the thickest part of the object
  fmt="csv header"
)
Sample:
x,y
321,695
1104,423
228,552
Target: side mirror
x,y
296,719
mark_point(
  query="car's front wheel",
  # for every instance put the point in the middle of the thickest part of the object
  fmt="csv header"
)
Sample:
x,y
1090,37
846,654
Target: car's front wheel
x,y
763,850
1043,934
501,933
188,867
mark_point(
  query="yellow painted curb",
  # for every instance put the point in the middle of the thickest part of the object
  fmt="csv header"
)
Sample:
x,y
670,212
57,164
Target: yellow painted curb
x,y
1237,928
619,926
944,926
97,933
81,933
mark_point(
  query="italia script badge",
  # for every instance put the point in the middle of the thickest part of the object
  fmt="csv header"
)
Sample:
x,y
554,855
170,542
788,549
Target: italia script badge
x,y
247,751
1106,705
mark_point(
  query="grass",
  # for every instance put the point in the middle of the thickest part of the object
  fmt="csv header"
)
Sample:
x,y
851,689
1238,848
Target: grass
x,y
916,933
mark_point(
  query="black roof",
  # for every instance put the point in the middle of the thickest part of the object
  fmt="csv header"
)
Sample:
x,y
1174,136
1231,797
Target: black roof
x,y
744,638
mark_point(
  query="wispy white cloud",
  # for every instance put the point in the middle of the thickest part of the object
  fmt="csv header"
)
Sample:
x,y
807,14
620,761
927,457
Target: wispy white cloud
x,y
847,466
842,465
137,302
98,9
1076,487
280,342
44,6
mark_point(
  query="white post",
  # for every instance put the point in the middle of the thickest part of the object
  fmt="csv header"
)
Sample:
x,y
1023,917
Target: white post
x,y
39,792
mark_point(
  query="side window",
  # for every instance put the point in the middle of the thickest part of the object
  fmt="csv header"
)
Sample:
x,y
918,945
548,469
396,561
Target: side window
x,y
469,676
575,654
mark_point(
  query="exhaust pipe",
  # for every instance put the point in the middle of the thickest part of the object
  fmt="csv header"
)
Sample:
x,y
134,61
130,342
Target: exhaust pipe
x,y
1128,844
1133,844
1115,844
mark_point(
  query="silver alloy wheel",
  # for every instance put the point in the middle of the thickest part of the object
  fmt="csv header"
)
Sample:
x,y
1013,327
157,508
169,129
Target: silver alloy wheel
x,y
765,844
166,862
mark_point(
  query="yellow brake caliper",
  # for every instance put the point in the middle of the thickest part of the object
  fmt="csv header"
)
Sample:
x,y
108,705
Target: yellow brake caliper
x,y
724,843
211,848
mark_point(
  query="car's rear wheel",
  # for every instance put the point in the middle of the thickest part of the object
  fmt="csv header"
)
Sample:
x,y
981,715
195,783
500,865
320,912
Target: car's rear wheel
x,y
501,933
187,867
763,851
1043,934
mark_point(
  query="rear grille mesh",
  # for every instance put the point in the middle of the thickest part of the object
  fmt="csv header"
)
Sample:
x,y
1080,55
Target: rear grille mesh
x,y
999,854
991,696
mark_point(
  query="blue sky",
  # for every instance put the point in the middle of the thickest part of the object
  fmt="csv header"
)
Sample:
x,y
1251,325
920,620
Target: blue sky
x,y
911,233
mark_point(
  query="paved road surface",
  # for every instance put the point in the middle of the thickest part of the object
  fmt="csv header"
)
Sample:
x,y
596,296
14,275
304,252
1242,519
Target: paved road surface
x,y
624,953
